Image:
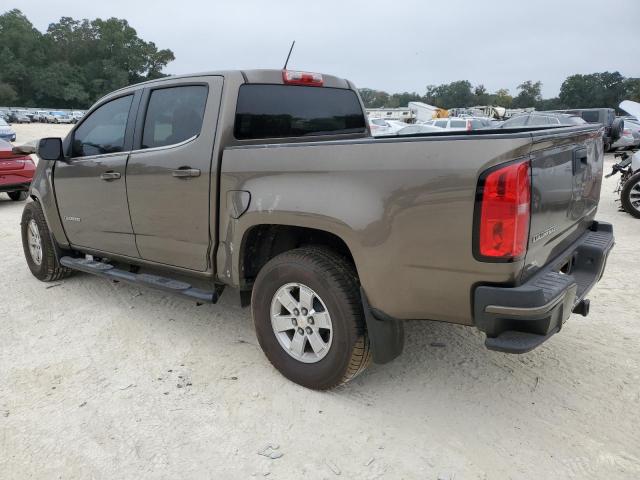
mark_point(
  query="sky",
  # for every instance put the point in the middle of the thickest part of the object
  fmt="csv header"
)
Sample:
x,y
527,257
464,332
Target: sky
x,y
385,45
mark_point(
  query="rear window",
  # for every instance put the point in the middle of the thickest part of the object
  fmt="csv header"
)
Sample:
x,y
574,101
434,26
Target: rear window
x,y
591,117
277,111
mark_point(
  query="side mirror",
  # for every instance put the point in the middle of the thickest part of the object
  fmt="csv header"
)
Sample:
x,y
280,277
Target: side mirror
x,y
50,149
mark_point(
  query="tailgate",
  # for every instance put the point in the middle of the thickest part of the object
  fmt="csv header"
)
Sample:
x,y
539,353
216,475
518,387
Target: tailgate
x,y
566,177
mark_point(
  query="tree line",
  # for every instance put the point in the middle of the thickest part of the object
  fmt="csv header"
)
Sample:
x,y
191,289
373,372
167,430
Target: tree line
x,y
605,89
74,62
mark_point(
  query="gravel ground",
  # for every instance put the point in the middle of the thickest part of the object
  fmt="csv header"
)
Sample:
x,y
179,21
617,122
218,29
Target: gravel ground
x,y
103,380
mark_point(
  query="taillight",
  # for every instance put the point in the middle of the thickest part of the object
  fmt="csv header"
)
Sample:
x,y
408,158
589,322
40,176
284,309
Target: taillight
x,y
468,125
502,226
291,77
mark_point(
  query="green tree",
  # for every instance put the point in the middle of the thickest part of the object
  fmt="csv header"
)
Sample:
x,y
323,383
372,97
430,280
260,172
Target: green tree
x,y
502,98
632,89
530,94
75,62
451,95
606,89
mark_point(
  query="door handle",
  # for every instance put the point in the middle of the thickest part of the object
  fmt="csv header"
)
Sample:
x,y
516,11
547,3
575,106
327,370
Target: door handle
x,y
107,176
580,160
185,172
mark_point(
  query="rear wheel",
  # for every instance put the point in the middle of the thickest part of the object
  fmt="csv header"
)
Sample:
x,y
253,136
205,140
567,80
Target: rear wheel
x,y
38,247
309,319
630,195
17,196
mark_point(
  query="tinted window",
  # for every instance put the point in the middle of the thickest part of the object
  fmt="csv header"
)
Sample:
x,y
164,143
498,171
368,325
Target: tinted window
x,y
441,123
274,111
575,121
516,122
458,124
591,117
537,120
103,131
174,115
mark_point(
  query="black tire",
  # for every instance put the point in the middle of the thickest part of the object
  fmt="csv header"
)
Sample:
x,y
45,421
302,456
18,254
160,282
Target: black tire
x,y
49,268
335,281
627,191
17,196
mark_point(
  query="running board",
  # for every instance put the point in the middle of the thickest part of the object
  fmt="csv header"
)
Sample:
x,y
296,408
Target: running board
x,y
108,271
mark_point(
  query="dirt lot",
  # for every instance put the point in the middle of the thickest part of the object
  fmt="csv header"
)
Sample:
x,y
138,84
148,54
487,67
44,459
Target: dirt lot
x,y
103,380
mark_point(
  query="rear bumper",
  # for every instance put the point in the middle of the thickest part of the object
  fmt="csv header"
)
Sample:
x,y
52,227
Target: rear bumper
x,y
518,319
15,187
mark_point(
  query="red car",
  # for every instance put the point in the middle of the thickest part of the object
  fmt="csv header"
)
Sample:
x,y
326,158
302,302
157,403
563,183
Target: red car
x,y
16,172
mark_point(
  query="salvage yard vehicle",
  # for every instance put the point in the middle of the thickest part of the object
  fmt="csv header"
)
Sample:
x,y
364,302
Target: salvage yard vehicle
x,y
16,172
6,132
629,184
270,182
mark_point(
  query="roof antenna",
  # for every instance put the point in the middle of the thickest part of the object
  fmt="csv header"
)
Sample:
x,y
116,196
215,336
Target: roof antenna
x,y
288,56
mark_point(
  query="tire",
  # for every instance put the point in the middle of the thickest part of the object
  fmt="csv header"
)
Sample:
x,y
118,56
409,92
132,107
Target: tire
x,y
48,269
631,193
17,196
335,285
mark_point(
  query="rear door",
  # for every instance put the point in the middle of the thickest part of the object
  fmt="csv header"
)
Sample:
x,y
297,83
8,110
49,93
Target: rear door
x,y
566,177
169,173
90,187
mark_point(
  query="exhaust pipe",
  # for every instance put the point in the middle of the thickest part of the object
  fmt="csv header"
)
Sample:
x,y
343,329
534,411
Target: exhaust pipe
x,y
582,308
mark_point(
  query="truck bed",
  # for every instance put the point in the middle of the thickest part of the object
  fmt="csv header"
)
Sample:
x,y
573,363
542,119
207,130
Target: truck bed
x,y
405,207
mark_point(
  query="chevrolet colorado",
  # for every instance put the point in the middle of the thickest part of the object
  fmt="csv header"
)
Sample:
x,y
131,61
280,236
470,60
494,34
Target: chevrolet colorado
x,y
269,181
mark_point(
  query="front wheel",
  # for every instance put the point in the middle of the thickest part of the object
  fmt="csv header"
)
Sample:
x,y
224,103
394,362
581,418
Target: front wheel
x,y
309,319
630,195
38,245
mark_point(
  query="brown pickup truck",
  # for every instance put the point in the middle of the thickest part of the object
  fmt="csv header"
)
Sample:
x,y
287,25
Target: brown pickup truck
x,y
269,182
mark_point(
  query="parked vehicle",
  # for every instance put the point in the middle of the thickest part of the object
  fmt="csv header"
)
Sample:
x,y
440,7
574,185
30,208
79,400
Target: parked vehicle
x,y
40,116
61,117
6,132
16,172
633,125
274,186
627,140
629,184
460,123
418,128
603,116
19,116
542,119
76,115
381,127
48,117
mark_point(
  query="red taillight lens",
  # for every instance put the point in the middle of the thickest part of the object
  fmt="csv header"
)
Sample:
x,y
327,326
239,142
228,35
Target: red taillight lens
x,y
505,199
302,78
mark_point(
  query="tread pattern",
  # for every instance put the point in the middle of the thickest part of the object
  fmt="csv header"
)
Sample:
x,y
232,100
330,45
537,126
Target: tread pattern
x,y
50,270
344,276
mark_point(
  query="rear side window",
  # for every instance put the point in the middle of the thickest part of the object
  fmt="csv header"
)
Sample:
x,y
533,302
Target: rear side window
x,y
103,130
174,115
441,123
458,124
591,117
276,111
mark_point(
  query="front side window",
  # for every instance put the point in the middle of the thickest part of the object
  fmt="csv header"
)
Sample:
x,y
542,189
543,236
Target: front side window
x,y
174,115
280,111
103,131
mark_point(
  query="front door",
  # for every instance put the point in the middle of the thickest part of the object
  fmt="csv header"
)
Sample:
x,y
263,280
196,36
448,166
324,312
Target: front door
x,y
90,187
169,173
